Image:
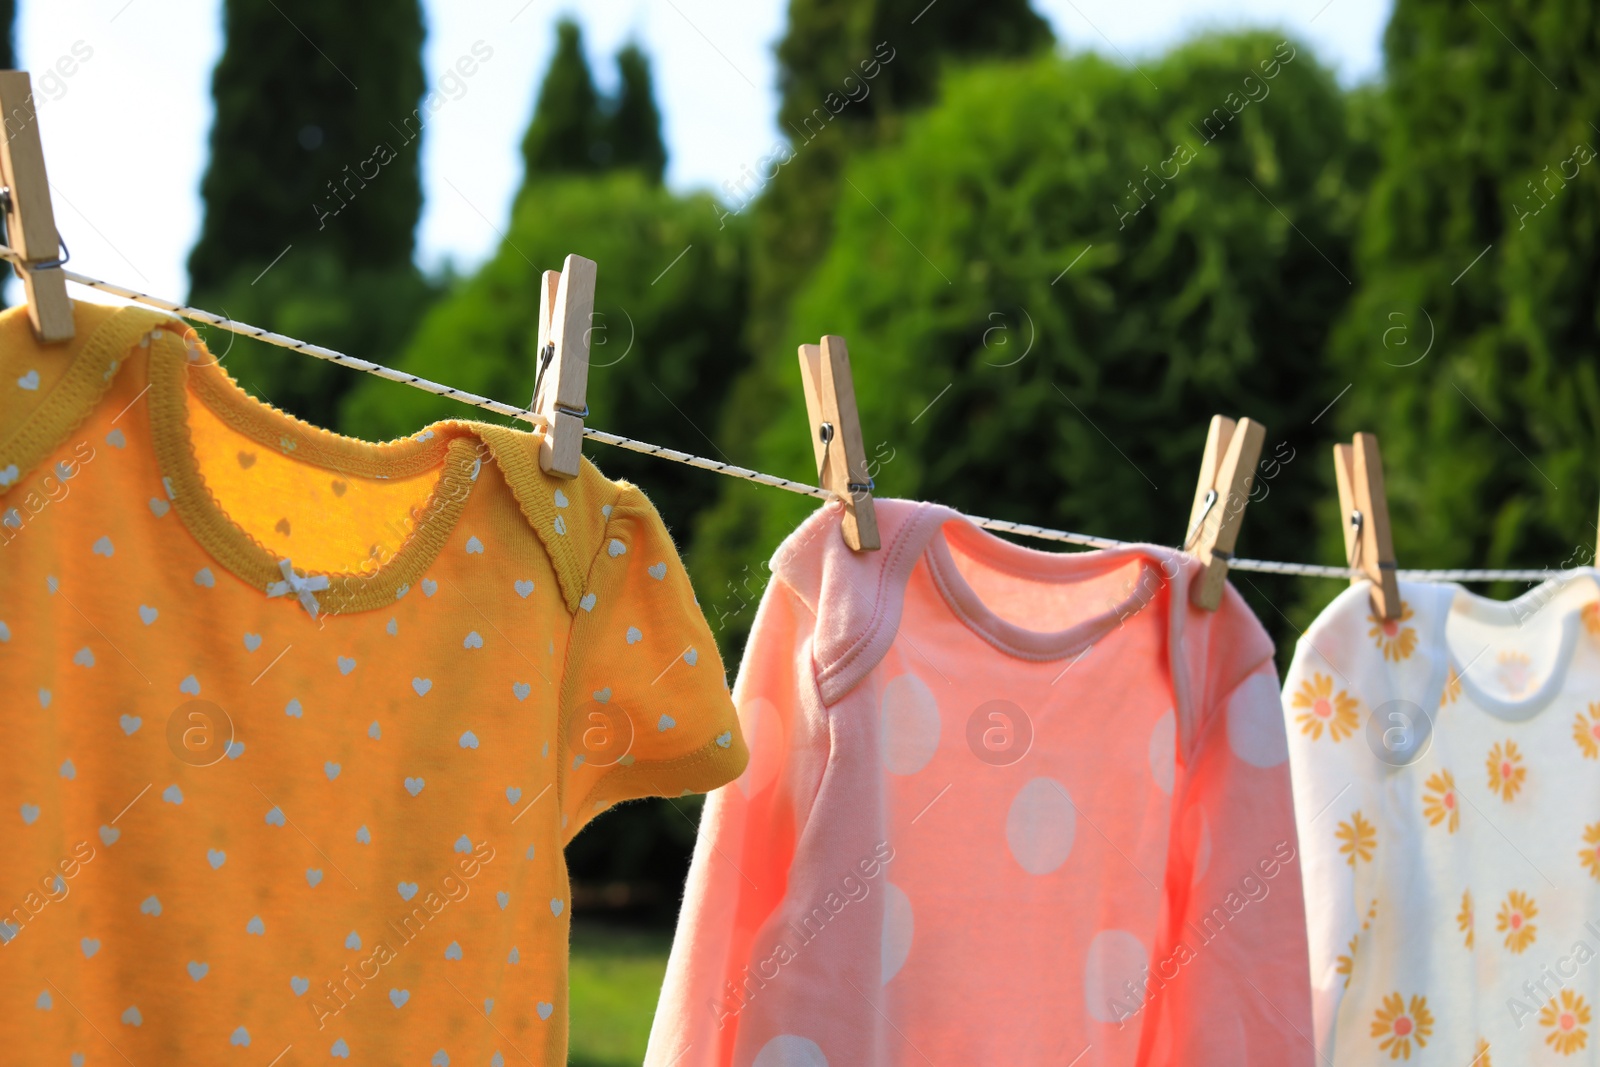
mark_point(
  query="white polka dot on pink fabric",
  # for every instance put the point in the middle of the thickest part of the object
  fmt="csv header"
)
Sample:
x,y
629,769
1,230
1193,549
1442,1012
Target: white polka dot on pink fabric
x,y
1041,826
898,927
1255,721
1115,959
790,1050
1164,752
910,725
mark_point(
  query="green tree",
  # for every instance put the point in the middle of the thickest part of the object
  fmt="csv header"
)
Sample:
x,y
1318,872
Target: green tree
x,y
826,40
665,341
577,131
1482,239
313,190
1080,271
633,123
8,34
304,94
846,73
563,136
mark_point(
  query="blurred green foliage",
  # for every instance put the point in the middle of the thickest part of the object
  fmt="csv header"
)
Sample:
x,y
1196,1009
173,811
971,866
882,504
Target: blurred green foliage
x,y
664,345
560,139
8,34
847,72
632,121
644,846
1051,282
367,313
289,124
577,131
1482,239
313,190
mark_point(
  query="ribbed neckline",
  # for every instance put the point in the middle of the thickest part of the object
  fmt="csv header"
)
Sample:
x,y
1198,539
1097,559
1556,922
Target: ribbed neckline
x,y
181,371
103,339
1052,568
1509,614
177,362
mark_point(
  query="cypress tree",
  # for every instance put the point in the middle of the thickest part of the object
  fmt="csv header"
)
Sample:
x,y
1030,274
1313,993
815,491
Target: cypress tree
x,y
314,189
563,137
633,126
827,40
1482,239
293,136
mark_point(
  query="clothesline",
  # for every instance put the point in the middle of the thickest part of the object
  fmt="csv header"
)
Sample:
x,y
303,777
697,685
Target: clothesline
x,y
1309,570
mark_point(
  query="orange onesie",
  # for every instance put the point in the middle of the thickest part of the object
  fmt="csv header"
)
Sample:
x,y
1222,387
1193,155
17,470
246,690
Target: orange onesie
x,y
297,725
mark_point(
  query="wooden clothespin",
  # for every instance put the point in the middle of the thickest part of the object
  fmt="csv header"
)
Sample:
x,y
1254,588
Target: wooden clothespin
x,y
30,219
836,437
1227,470
566,303
1368,544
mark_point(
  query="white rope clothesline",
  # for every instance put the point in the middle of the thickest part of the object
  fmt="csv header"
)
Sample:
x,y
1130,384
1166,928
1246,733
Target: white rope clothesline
x,y
1308,570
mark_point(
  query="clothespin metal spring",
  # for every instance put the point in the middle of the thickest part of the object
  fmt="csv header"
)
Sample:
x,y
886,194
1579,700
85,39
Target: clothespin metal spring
x,y
825,435
1227,471
64,254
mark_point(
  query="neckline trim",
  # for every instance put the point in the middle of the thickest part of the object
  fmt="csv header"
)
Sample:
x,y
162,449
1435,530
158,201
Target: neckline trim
x,y
108,338
1498,613
181,371
1045,567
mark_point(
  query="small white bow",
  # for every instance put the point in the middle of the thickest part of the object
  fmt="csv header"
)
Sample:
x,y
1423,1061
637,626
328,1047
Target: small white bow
x,y
300,586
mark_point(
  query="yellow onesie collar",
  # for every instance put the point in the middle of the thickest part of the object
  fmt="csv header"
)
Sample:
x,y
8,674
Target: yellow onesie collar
x,y
180,370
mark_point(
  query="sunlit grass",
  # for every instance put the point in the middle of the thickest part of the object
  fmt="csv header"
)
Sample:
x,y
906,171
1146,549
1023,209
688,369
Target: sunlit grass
x,y
615,979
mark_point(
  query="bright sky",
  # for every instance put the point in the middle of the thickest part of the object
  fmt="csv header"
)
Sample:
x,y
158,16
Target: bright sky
x,y
125,134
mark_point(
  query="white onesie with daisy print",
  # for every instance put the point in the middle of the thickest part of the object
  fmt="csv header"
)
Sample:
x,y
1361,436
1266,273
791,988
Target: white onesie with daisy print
x,y
1446,771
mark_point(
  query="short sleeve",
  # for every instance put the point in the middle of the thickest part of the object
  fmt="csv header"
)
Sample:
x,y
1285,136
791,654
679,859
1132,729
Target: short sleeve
x,y
645,704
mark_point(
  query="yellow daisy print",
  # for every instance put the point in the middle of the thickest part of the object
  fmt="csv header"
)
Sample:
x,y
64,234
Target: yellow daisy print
x,y
1589,854
1506,772
1591,617
1358,839
1565,1015
1516,920
1325,709
1515,672
1464,921
1346,965
1480,1056
1440,802
1394,640
1586,731
1399,1024
1452,688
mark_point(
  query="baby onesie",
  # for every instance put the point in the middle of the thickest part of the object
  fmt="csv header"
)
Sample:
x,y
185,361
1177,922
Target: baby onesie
x,y
1449,815
298,725
1002,807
